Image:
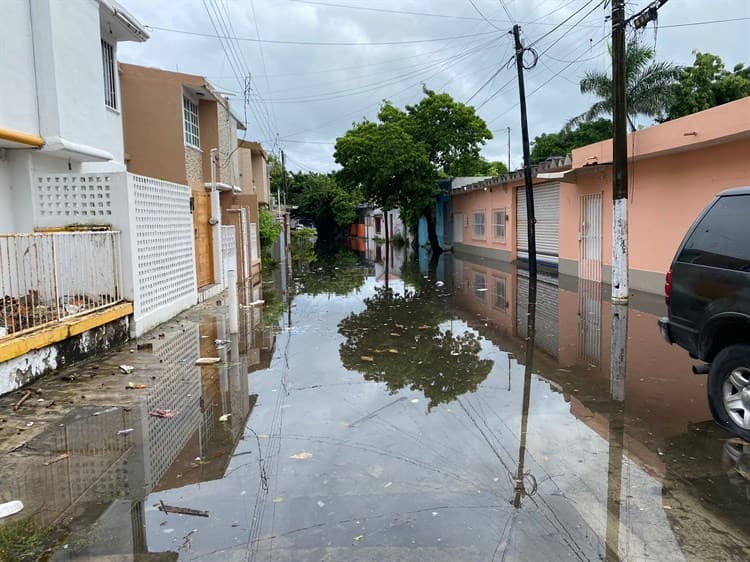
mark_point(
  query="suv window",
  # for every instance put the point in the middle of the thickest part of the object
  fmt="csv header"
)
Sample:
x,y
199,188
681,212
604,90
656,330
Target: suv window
x,y
721,238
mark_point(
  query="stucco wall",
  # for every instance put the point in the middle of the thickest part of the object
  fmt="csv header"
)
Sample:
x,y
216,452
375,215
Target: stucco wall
x,y
245,166
666,195
152,122
227,144
500,196
194,168
18,109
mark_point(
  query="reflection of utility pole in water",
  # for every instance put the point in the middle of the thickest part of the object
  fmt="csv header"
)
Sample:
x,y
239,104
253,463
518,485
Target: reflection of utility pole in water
x,y
616,429
520,490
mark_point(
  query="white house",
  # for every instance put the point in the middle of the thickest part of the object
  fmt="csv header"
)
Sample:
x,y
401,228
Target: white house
x,y
60,109
89,253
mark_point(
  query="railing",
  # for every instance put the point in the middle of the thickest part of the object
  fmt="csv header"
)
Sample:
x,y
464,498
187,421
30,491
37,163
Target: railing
x,y
48,277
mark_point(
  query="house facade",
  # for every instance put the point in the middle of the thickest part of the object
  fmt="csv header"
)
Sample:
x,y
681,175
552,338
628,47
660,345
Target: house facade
x,y
675,169
180,128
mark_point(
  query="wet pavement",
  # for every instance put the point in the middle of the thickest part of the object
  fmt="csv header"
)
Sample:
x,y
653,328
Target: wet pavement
x,y
387,415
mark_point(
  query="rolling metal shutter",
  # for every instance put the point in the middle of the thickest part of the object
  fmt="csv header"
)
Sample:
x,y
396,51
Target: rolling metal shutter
x,y
547,211
547,313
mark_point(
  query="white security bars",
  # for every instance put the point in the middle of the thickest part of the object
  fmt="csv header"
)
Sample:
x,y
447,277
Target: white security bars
x,y
47,277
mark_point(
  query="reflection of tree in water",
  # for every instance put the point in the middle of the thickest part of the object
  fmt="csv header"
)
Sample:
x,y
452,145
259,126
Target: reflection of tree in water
x,y
335,272
397,340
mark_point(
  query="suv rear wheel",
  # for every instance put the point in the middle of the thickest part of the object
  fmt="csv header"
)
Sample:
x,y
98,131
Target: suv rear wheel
x,y
729,389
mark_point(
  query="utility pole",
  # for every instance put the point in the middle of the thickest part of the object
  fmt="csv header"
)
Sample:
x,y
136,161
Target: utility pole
x,y
619,159
530,219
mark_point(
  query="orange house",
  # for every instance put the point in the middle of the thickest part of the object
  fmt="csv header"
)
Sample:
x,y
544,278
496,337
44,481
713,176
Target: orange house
x,y
675,169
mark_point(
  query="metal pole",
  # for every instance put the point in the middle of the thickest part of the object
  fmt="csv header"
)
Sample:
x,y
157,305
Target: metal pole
x,y
531,220
216,221
619,159
233,303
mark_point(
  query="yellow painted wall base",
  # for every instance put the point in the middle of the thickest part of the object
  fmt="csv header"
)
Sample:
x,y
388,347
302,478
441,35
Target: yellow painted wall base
x,y
16,346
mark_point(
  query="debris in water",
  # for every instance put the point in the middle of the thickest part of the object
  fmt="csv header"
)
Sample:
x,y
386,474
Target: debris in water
x,y
181,510
224,417
301,456
126,369
57,459
359,538
439,284
415,400
393,350
208,360
125,431
21,401
387,485
482,290
395,334
425,327
321,504
10,508
368,358
133,386
277,499
163,413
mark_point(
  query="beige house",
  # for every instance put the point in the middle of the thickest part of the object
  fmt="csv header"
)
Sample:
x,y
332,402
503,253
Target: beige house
x,y
172,121
254,171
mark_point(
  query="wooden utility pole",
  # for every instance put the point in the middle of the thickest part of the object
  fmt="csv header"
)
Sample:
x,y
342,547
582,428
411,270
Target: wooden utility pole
x,y
619,158
530,219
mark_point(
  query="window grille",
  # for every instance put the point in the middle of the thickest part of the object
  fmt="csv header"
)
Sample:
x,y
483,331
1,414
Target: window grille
x,y
190,120
110,83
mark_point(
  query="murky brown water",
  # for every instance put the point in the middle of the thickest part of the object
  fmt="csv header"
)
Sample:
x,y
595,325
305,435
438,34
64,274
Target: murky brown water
x,y
406,423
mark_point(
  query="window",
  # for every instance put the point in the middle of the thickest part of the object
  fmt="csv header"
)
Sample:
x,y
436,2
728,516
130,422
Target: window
x,y
110,83
720,240
478,224
498,225
480,286
499,294
190,119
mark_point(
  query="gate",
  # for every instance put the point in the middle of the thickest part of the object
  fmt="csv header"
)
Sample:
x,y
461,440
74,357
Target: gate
x,y
590,237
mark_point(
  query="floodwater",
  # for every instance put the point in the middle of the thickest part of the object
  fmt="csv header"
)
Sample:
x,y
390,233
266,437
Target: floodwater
x,y
406,415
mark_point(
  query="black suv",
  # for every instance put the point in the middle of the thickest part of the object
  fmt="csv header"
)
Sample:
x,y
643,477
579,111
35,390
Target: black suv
x,y
708,298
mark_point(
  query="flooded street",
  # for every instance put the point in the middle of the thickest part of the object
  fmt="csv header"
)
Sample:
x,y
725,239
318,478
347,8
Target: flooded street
x,y
395,415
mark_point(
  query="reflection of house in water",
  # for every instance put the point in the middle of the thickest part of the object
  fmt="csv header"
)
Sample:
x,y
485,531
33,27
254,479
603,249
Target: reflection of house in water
x,y
663,404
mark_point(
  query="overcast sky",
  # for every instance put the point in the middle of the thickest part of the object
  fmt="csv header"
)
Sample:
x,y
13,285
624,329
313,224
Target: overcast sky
x,y
302,96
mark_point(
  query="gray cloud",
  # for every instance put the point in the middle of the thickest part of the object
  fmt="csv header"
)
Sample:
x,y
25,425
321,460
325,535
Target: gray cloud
x,y
310,94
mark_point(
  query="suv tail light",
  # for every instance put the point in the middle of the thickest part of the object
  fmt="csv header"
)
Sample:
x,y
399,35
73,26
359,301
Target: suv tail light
x,y
668,286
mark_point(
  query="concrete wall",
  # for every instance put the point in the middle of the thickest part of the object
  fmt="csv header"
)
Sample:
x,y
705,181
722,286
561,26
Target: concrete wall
x,y
22,370
496,197
672,178
229,172
245,168
152,122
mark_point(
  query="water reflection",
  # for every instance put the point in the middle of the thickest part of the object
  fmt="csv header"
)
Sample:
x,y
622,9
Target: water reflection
x,y
406,340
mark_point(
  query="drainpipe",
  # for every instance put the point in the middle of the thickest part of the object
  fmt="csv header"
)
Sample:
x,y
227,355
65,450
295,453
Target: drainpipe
x,y
215,222
21,138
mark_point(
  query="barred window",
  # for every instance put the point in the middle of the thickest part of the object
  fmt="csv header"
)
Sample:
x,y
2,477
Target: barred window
x,y
190,120
499,294
110,83
478,224
498,224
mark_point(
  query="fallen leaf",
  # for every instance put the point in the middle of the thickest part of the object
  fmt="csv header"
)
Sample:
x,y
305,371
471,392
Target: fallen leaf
x,y
425,327
301,456
393,350
368,358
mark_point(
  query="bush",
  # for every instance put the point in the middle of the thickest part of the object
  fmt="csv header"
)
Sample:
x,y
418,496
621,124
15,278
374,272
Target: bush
x,y
269,228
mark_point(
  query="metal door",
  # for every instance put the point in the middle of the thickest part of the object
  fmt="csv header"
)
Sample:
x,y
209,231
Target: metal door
x,y
590,237
458,228
547,214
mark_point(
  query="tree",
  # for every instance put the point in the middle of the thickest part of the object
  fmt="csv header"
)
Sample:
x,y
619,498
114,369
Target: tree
x,y
398,339
560,144
321,198
269,229
439,130
487,168
386,164
649,87
706,84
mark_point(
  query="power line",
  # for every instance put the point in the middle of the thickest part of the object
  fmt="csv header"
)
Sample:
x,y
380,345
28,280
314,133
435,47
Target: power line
x,y
507,12
709,22
559,25
478,11
325,43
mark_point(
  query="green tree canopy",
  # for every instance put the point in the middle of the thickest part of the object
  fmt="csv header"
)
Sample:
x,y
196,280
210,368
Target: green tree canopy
x,y
560,144
396,160
649,87
706,84
398,340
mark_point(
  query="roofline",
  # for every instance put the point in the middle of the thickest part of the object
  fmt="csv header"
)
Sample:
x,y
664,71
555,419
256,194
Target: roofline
x,y
734,191
136,28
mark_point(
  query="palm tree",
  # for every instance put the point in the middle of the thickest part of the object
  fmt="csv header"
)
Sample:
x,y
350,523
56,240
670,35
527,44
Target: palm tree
x,y
649,86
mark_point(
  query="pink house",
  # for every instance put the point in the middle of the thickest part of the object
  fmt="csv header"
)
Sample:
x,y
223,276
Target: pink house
x,y
676,168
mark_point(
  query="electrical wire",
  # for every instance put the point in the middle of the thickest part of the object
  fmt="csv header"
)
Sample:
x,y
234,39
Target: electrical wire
x,y
478,11
325,43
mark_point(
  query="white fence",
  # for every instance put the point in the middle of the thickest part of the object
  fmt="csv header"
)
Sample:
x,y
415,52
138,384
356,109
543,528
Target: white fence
x,y
158,255
228,251
47,277
162,250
